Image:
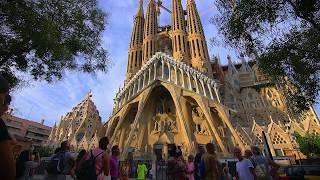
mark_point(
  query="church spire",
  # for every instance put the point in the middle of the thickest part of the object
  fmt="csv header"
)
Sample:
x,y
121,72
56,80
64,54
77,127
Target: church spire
x,y
179,35
150,31
140,10
135,49
198,45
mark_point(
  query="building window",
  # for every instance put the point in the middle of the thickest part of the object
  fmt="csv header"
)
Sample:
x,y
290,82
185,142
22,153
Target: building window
x,y
278,152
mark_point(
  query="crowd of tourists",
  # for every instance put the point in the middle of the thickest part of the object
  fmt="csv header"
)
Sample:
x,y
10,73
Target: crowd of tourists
x,y
251,165
98,162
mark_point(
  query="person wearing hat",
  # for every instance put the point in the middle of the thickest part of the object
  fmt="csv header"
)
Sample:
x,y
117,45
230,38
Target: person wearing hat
x,y
7,165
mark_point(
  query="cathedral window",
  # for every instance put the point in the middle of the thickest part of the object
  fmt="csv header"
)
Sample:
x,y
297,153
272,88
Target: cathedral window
x,y
194,49
184,44
175,43
136,59
179,40
147,51
199,54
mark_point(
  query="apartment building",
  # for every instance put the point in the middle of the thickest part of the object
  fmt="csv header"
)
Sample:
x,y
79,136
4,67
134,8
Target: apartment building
x,y
25,130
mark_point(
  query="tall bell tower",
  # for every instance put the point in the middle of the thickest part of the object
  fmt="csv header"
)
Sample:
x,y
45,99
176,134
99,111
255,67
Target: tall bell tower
x,y
197,41
150,32
179,34
135,52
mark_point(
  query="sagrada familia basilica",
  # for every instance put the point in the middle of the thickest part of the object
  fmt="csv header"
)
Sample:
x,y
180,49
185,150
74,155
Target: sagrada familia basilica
x,y
175,95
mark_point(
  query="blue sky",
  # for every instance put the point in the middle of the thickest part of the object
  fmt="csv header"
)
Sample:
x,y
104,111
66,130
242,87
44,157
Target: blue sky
x,y
41,100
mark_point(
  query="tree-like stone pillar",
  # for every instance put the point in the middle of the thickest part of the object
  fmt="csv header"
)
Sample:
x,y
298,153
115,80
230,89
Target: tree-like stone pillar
x,y
204,89
216,92
189,79
182,76
162,69
139,82
155,71
169,67
149,80
144,79
176,73
210,90
197,85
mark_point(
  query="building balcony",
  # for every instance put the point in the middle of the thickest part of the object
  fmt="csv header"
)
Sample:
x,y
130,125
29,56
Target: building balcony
x,y
30,136
39,131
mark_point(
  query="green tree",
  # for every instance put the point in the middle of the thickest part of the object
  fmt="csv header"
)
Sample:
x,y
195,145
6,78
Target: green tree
x,y
44,38
45,151
309,144
283,36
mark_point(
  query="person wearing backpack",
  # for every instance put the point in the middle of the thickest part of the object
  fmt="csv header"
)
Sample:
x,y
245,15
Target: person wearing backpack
x,y
61,164
95,164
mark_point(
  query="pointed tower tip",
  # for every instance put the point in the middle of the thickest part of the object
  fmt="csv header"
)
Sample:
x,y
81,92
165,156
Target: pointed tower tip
x,y
140,9
89,95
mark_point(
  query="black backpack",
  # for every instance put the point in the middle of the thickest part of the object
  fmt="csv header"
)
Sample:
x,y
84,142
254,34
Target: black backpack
x,y
87,169
56,164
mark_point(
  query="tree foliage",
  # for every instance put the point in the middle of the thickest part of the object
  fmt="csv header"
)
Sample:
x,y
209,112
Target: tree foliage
x,y
45,151
283,36
43,38
309,144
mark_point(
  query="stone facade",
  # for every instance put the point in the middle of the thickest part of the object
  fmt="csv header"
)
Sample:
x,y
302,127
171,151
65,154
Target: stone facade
x,y
179,97
82,127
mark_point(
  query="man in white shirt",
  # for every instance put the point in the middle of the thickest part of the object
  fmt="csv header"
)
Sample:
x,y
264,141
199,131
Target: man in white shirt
x,y
245,168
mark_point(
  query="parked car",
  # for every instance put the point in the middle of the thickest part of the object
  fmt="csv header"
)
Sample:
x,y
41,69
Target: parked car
x,y
297,172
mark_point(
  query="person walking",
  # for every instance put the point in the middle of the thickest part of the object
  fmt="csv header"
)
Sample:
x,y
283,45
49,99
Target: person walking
x,y
244,167
125,170
197,161
25,165
7,142
81,155
176,167
142,170
226,173
190,168
114,162
265,169
211,164
61,164
99,158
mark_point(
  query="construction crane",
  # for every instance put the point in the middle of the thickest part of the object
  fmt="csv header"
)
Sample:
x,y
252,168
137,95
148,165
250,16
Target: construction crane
x,y
159,5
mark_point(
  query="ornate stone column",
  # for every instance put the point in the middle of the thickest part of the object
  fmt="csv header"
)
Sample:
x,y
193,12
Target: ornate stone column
x,y
139,82
144,79
169,67
197,85
176,73
189,78
162,69
210,90
149,80
182,76
217,92
204,89
155,70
